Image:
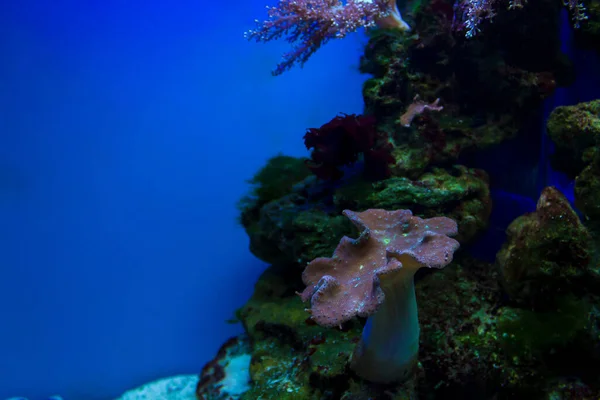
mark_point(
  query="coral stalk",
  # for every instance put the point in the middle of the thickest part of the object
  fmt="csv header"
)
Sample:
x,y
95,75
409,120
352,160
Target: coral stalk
x,y
390,340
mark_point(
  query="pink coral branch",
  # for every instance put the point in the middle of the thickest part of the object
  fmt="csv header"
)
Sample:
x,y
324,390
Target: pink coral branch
x,y
418,107
309,24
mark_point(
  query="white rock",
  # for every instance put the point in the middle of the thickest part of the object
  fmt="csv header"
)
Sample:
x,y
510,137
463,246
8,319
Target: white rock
x,y
182,387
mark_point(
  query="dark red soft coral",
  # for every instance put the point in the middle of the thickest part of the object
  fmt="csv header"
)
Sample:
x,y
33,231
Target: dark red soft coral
x,y
340,142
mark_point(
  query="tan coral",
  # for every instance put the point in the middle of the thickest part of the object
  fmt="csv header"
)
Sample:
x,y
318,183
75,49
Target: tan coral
x,y
373,276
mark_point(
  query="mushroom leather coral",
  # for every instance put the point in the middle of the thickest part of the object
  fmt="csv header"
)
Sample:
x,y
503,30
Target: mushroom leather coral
x,y
372,276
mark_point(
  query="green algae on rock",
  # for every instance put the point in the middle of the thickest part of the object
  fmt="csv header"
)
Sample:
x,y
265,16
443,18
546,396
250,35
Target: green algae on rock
x,y
307,223
587,190
547,252
275,180
459,193
575,130
293,358
488,91
474,346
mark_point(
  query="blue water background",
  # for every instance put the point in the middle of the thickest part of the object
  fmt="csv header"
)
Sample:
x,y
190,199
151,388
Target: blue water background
x,y
127,132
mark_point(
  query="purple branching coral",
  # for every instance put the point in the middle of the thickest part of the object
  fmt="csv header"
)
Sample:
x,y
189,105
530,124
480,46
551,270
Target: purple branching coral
x,y
309,24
